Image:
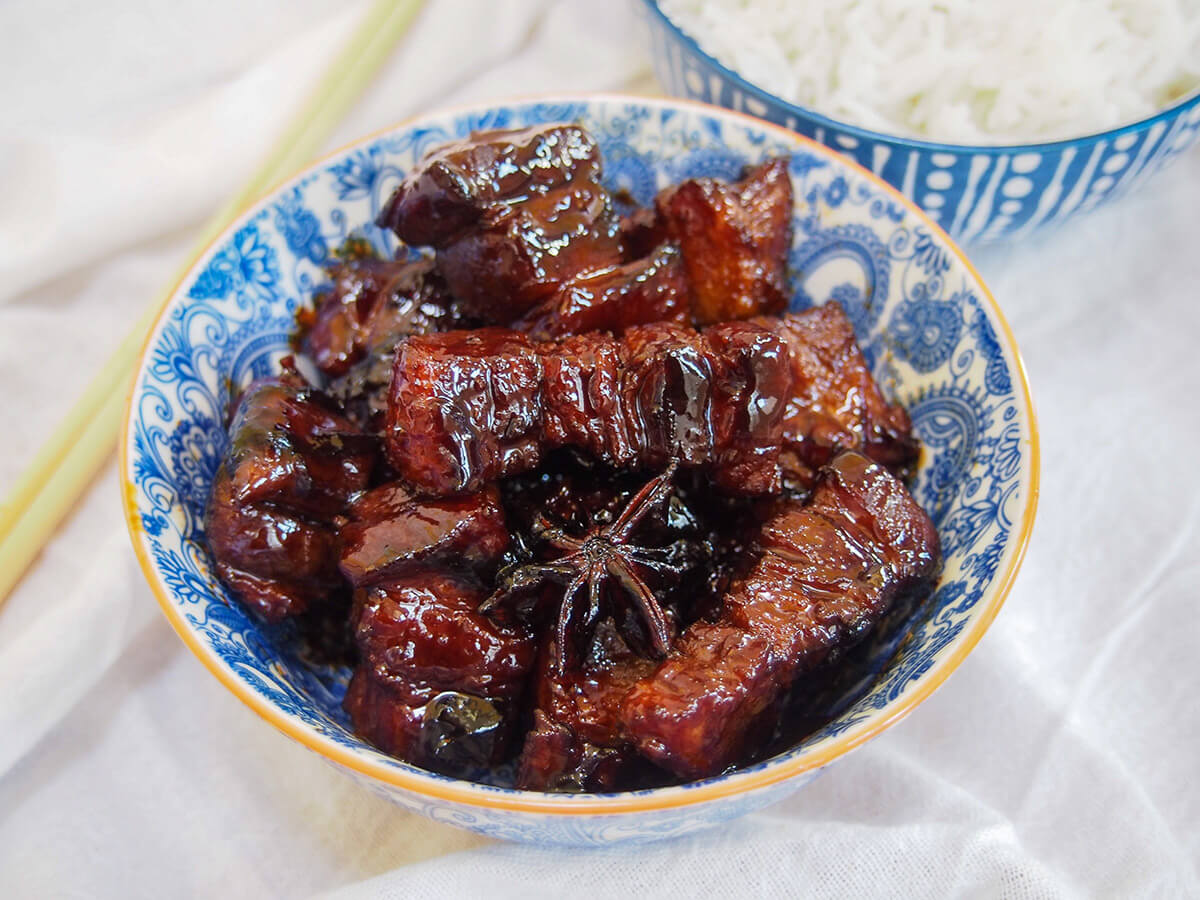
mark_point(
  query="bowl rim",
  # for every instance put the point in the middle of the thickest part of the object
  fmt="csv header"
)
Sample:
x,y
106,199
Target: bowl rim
x,y
430,785
862,133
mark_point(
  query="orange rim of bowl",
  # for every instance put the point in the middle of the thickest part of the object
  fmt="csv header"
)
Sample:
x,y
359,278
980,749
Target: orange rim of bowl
x,y
482,796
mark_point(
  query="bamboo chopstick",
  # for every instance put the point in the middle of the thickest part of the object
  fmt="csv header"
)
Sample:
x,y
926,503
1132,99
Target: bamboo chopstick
x,y
66,464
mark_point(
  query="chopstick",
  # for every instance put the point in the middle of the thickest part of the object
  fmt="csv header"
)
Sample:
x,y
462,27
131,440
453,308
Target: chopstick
x,y
83,442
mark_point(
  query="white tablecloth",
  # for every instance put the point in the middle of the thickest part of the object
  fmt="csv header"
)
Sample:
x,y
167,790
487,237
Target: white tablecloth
x,y
1059,761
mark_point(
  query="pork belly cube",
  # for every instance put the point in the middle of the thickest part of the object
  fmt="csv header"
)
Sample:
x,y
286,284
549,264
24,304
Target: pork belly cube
x,y
827,572
501,271
278,564
514,214
734,237
292,465
578,742
465,409
582,403
368,300
651,289
469,407
463,182
289,445
372,305
835,403
751,383
439,683
390,532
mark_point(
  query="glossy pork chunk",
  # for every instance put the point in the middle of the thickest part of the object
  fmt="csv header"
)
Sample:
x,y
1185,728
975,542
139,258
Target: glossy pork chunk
x,y
834,403
439,683
577,742
391,533
469,407
651,289
371,306
827,571
292,465
526,237
513,215
734,240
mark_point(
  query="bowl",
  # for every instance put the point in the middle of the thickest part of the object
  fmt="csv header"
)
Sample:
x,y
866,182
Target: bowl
x,y
934,336
978,194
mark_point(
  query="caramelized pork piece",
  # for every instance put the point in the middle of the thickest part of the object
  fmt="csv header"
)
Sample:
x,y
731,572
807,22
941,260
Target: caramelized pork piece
x,y
439,683
835,404
750,376
392,533
513,215
463,182
467,408
577,742
372,305
449,732
734,237
827,572
293,462
651,289
289,445
367,295
464,409
584,400
277,563
424,632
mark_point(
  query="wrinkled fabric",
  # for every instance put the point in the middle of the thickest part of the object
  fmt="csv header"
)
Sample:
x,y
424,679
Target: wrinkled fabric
x,y
1057,762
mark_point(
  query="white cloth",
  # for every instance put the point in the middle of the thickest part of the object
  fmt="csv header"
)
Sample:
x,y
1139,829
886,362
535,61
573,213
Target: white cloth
x,y
1058,762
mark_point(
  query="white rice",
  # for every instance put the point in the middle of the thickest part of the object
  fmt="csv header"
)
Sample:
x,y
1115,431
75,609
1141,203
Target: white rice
x,y
962,71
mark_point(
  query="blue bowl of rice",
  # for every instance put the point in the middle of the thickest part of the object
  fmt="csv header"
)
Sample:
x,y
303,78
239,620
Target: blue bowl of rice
x,y
989,185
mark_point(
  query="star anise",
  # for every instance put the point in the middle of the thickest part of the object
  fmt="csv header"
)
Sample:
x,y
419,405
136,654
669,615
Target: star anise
x,y
606,552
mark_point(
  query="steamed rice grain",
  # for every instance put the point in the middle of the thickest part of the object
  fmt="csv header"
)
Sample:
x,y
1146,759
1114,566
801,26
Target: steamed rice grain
x,y
964,71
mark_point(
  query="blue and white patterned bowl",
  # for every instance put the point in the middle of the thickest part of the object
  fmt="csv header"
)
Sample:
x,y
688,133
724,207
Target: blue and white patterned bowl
x,y
978,194
936,339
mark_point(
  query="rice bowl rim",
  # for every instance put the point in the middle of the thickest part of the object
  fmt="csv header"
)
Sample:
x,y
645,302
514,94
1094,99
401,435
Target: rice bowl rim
x,y
862,133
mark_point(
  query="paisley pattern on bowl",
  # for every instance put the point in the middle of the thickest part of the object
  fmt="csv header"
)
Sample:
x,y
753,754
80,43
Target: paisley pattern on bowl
x,y
977,194
935,338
